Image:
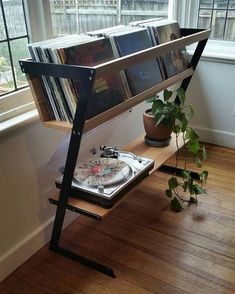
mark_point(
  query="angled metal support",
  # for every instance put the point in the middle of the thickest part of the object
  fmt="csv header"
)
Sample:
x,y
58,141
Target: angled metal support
x,y
177,171
195,58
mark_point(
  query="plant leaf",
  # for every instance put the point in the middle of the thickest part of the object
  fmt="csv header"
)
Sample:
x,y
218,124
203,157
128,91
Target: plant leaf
x,y
150,99
198,161
203,176
173,183
198,190
191,134
159,117
186,175
184,124
157,106
204,153
168,193
176,205
167,94
181,95
176,129
191,111
185,186
193,146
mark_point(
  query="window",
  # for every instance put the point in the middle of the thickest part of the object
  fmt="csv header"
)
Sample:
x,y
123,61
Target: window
x,y
13,46
53,18
219,15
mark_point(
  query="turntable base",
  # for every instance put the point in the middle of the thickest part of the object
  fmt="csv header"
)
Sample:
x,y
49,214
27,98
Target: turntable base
x,y
96,211
104,180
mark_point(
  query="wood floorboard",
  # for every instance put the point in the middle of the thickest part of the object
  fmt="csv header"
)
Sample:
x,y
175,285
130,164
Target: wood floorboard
x,y
150,248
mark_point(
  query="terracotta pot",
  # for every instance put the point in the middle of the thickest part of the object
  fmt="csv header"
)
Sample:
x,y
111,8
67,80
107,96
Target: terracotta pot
x,y
153,132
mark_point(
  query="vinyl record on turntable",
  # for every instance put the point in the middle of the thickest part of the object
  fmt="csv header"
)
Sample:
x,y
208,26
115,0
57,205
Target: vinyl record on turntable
x,y
102,171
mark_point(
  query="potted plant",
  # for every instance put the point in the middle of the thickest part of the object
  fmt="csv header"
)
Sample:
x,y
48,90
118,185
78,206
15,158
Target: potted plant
x,y
174,115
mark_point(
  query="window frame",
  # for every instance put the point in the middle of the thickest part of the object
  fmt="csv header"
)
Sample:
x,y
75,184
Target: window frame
x,y
216,50
39,27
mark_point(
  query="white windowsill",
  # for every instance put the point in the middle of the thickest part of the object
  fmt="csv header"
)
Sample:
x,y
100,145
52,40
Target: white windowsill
x,y
18,121
217,51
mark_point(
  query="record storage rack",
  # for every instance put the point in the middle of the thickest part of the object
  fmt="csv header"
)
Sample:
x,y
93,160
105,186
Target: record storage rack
x,y
34,71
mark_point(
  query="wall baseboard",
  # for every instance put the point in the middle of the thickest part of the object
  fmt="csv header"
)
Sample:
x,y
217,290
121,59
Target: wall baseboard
x,y
22,251
217,137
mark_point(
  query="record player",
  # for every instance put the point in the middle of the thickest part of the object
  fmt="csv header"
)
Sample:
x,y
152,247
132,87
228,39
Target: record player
x,y
104,179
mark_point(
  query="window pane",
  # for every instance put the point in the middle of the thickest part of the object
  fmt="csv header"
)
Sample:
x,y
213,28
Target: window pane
x,y
2,28
19,50
204,20
80,16
230,27
206,4
231,4
218,23
6,74
14,18
220,4
138,10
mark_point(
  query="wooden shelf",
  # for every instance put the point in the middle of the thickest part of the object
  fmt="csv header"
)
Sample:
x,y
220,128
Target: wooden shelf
x,y
158,154
124,106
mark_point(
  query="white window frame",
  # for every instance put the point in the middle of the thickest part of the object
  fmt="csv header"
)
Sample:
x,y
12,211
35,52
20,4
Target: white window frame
x,y
39,28
186,12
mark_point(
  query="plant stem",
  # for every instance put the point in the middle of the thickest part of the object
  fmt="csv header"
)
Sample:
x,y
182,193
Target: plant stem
x,y
185,152
177,153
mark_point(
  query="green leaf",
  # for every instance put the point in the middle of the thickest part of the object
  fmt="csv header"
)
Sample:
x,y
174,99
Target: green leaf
x,y
181,95
150,99
190,185
168,193
159,118
185,186
203,176
204,153
198,190
167,94
157,106
184,125
197,161
186,175
193,146
191,111
176,129
173,183
176,205
191,134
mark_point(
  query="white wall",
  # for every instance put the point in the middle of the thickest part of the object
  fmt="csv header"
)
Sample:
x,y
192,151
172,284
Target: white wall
x,y
26,217
212,93
26,184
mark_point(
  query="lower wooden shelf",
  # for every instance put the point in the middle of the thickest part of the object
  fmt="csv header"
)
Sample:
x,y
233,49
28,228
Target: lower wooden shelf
x,y
138,147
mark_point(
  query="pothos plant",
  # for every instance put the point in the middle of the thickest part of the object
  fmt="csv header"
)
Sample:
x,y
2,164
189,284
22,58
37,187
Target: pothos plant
x,y
175,113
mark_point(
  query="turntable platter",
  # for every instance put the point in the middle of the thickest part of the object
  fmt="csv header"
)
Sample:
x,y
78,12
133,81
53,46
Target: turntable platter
x,y
102,172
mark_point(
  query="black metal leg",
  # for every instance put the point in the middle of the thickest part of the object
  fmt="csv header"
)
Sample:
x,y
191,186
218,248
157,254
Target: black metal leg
x,y
85,261
177,171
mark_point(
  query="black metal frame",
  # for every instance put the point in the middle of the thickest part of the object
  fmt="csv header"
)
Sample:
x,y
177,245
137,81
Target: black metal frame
x,y
86,75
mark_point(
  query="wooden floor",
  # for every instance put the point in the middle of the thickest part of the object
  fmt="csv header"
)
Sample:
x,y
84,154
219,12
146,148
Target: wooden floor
x,y
150,248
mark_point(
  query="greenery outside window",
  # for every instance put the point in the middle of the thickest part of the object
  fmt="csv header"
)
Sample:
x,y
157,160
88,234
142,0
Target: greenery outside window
x,y
14,97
